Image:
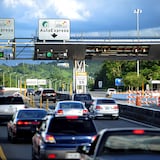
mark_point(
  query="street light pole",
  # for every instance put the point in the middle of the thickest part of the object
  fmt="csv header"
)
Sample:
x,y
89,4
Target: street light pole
x,y
3,78
137,12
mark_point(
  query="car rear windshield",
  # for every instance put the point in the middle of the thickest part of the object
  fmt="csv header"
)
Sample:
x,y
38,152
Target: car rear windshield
x,y
31,114
78,126
105,101
71,105
11,100
122,143
48,91
81,97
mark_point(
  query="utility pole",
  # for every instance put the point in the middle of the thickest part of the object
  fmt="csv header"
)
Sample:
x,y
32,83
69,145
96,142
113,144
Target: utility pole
x,y
137,12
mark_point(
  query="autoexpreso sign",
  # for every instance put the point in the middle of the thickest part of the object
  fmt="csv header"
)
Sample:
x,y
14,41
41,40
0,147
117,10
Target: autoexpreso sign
x,y
54,29
7,29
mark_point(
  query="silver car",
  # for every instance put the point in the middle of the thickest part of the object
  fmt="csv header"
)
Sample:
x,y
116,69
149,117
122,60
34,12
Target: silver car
x,y
65,108
104,107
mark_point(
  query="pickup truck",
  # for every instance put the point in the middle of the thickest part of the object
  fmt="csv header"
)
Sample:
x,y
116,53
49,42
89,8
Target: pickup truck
x,y
86,98
9,105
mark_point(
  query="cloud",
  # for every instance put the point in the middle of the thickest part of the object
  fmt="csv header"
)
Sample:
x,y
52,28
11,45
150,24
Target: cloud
x,y
15,3
33,9
72,9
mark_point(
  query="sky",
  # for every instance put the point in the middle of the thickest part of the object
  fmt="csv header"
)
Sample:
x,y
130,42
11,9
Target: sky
x,y
87,17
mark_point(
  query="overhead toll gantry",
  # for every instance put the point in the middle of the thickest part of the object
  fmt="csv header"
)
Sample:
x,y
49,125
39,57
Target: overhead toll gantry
x,y
55,43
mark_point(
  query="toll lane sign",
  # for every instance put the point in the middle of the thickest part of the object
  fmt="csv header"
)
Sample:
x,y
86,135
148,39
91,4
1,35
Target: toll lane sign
x,y
54,29
7,29
81,78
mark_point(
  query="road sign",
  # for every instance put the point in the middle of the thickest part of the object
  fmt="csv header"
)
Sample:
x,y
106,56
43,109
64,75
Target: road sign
x,y
54,29
7,29
31,82
81,78
41,82
119,82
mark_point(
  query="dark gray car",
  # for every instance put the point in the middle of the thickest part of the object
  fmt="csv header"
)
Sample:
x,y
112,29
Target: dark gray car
x,y
123,144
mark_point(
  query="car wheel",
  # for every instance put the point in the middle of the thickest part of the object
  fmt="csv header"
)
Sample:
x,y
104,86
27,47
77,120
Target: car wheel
x,y
115,118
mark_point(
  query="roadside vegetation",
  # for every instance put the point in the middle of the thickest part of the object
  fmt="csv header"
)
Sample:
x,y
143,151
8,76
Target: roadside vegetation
x,y
106,72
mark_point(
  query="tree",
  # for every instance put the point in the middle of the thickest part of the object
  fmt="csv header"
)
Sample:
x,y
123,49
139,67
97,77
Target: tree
x,y
132,81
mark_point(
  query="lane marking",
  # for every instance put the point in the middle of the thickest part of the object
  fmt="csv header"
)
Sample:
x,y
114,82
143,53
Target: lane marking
x,y
2,155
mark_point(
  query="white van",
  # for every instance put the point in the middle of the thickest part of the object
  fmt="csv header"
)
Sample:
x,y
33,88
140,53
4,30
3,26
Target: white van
x,y
110,91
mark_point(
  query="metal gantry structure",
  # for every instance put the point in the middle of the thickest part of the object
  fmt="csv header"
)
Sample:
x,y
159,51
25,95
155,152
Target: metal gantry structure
x,y
78,50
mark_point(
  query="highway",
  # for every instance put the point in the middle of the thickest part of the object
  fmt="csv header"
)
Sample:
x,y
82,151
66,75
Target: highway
x,y
22,149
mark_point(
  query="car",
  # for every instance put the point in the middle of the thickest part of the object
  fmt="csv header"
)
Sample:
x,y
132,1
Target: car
x,y
9,105
47,94
123,144
86,98
104,107
110,91
64,108
59,137
24,123
30,91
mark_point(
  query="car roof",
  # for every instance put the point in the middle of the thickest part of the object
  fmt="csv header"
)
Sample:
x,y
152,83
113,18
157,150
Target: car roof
x,y
111,89
84,117
81,94
130,129
40,109
70,101
47,89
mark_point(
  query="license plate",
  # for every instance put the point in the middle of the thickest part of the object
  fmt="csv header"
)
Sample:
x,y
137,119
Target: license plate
x,y
75,113
72,155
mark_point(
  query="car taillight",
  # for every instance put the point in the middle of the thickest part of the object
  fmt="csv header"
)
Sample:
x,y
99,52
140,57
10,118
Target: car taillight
x,y
20,123
35,123
138,131
60,111
27,123
51,156
50,139
85,111
115,107
93,138
98,107
72,117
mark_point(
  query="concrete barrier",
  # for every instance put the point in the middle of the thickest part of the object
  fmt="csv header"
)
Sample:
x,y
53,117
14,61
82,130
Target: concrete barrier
x,y
149,116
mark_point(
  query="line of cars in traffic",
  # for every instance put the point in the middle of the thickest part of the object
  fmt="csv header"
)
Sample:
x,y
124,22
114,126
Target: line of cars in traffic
x,y
70,133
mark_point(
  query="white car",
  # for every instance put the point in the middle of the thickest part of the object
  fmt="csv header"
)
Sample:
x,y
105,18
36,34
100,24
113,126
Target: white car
x,y
110,91
67,108
104,107
9,105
